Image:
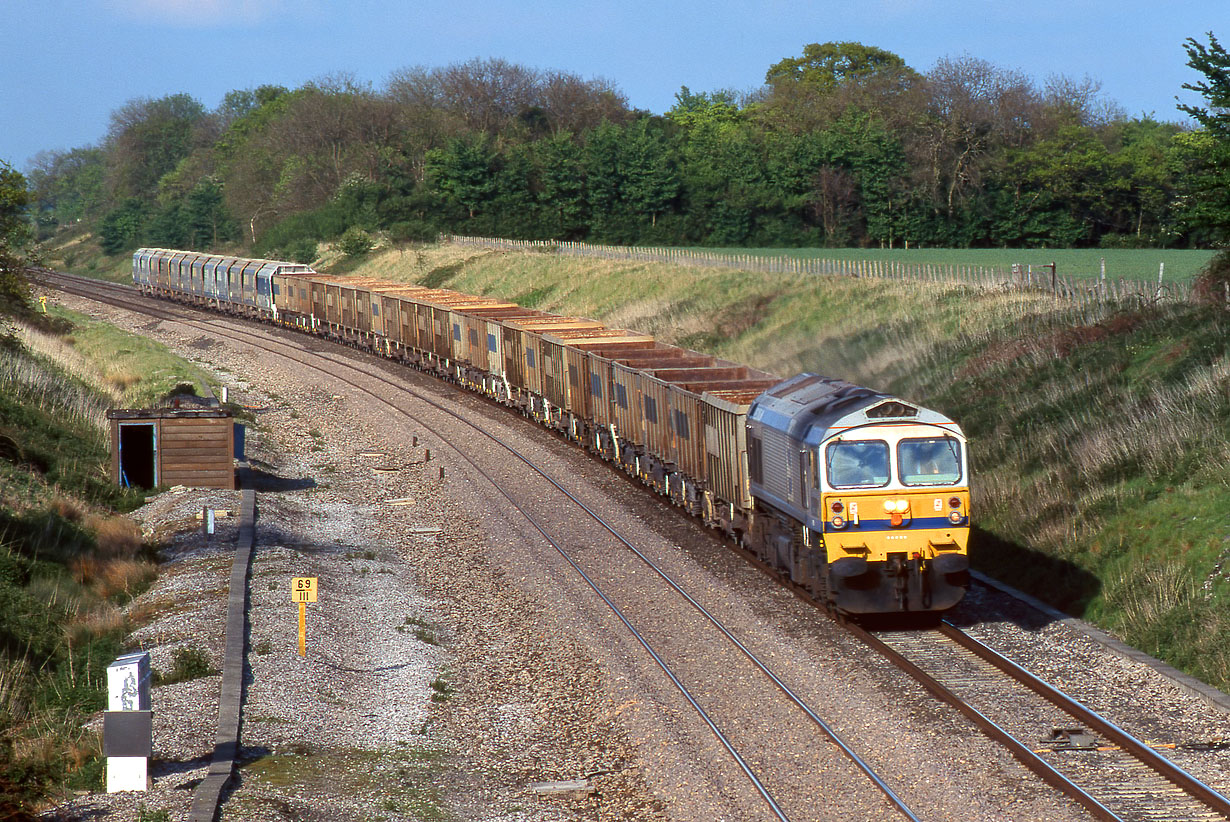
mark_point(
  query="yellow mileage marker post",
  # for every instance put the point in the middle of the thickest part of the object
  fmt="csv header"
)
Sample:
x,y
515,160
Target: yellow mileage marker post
x,y
303,590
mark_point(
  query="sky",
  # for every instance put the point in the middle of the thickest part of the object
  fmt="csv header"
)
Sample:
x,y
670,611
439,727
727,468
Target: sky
x,y
65,65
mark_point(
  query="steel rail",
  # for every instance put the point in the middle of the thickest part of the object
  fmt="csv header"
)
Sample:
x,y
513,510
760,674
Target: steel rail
x,y
1161,765
717,732
844,747
1023,754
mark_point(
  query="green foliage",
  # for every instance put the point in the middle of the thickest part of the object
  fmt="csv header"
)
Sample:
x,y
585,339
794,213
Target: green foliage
x,y
69,186
826,67
301,251
355,242
847,146
14,202
188,663
1208,157
148,139
464,172
695,109
121,228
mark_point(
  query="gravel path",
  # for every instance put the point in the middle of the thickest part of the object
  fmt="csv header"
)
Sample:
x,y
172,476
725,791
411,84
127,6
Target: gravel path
x,y
454,663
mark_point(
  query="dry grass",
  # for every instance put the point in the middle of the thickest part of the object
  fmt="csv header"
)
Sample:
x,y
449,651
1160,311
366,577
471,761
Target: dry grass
x,y
117,537
1113,435
38,379
1146,596
122,380
108,578
13,676
102,619
67,508
61,351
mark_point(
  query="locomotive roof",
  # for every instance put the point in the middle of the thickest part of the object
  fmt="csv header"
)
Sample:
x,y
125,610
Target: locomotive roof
x,y
809,406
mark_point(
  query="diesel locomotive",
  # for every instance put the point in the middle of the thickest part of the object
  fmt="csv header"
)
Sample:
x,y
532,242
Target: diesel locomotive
x,y
858,497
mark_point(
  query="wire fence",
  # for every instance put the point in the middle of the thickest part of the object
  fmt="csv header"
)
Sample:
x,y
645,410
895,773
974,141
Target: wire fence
x,y
1081,291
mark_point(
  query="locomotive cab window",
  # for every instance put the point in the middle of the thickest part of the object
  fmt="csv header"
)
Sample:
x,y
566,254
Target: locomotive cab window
x,y
857,464
931,461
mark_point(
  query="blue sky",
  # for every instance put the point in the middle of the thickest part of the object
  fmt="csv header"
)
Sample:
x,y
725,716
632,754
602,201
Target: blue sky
x,y
67,64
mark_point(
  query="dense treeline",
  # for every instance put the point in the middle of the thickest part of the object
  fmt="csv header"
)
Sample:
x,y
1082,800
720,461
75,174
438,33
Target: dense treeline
x,y
844,145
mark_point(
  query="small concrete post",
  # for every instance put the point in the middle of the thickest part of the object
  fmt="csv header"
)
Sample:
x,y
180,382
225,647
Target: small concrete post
x,y
127,725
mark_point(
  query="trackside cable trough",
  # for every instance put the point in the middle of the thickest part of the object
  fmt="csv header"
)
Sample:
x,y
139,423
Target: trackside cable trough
x,y
207,799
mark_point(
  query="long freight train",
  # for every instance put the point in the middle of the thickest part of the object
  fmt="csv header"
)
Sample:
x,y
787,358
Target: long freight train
x,y
859,497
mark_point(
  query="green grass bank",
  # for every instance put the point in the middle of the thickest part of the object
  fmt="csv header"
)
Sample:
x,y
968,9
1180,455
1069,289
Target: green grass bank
x,y
69,560
1180,265
1100,436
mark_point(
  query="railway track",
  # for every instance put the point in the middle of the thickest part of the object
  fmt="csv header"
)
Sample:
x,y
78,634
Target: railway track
x,y
1107,772
665,632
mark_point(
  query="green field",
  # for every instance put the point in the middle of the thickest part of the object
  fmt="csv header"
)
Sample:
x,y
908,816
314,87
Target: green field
x,y
1128,264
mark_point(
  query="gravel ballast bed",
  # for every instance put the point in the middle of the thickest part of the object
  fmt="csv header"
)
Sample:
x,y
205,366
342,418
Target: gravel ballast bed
x,y
529,692
430,689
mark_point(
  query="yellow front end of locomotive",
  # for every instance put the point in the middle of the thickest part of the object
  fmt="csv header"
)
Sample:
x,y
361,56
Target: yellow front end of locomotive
x,y
878,526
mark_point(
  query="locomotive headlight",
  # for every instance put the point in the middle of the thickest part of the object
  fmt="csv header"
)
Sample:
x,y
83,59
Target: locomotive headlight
x,y
901,506
838,522
955,517
890,505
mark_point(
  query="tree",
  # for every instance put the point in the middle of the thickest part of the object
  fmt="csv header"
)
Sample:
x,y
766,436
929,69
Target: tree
x,y
1212,182
147,139
69,185
976,110
809,92
562,186
824,67
122,227
14,234
1214,63
692,110
464,172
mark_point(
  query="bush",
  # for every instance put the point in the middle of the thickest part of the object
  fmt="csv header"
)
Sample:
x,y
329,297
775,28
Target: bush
x,y
1126,241
1213,284
188,663
302,251
355,242
416,231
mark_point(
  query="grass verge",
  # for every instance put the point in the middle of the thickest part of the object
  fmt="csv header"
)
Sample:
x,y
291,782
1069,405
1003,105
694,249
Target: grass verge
x,y
1100,436
68,561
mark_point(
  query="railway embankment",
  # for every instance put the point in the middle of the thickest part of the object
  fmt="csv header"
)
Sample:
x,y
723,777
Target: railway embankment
x,y
1100,435
298,421
425,692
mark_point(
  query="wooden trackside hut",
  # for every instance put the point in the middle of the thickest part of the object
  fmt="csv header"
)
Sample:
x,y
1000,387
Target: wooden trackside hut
x,y
173,446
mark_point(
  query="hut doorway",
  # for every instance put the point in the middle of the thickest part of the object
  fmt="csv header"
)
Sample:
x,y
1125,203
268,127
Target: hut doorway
x,y
137,455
